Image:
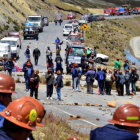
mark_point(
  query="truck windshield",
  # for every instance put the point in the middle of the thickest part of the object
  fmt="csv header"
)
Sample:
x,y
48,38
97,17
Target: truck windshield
x,y
68,27
11,43
32,19
74,38
77,51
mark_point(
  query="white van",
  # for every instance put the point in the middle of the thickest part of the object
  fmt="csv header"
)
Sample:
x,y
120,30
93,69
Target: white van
x,y
14,45
67,28
5,50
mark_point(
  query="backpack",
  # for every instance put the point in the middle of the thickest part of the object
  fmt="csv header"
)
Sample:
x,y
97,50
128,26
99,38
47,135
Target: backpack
x,y
58,60
108,77
135,77
27,51
101,76
122,79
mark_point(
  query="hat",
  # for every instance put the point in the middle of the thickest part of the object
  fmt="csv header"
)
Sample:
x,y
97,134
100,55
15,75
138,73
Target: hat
x,y
126,60
58,72
29,60
117,58
36,47
126,69
120,71
133,63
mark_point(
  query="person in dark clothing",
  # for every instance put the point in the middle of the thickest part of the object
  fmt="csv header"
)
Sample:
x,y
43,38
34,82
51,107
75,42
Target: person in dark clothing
x,y
116,75
55,21
127,81
58,61
134,77
34,84
60,22
48,54
59,84
50,64
126,65
126,126
36,35
90,75
36,54
91,60
83,58
28,52
121,82
50,78
85,67
28,71
9,66
100,77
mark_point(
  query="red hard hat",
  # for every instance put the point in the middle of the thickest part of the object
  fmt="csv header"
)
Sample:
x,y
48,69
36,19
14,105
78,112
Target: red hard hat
x,y
40,109
7,84
22,113
73,138
127,115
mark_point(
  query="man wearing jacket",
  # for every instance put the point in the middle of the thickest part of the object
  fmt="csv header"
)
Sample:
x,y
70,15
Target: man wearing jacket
x,y
126,125
36,54
117,64
9,66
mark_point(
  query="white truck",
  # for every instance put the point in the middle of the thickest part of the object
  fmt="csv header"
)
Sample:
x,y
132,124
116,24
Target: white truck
x,y
37,20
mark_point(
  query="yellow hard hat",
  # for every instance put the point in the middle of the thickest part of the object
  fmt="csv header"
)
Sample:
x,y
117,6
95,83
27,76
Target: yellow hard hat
x,y
36,47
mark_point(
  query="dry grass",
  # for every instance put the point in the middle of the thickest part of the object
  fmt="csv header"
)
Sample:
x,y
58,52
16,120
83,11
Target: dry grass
x,y
56,129
111,36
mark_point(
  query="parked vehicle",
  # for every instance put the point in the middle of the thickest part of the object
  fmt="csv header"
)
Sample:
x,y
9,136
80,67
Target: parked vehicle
x,y
5,50
100,58
73,55
136,10
67,28
46,21
29,31
16,35
110,11
37,20
83,20
14,45
71,16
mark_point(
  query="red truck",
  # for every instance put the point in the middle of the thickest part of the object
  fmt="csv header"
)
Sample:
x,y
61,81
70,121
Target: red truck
x,y
136,10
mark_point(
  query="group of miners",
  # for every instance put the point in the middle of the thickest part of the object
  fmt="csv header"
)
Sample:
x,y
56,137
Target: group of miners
x,y
20,117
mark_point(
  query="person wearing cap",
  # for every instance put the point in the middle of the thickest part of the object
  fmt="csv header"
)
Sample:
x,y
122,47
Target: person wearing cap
x,y
59,84
20,120
124,125
9,66
90,75
127,81
134,77
6,89
36,54
100,76
109,82
121,82
28,71
34,84
126,65
134,66
117,64
27,52
76,73
50,78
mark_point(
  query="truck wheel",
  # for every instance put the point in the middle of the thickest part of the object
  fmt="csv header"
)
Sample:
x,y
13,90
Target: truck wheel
x,y
99,60
24,38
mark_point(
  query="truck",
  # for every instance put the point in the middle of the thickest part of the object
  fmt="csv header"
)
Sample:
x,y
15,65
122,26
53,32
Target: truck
x,y
136,10
109,11
37,20
121,9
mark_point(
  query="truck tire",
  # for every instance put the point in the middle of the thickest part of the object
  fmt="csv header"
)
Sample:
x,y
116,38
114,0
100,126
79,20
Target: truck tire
x,y
99,60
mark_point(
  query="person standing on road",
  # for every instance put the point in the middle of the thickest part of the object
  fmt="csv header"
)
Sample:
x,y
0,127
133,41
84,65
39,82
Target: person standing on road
x,y
90,75
50,64
9,66
91,60
50,78
58,61
57,42
76,73
117,64
127,81
126,125
55,21
100,76
121,82
108,82
134,66
126,65
7,83
27,52
36,54
48,54
28,71
134,77
85,67
116,75
59,84
34,84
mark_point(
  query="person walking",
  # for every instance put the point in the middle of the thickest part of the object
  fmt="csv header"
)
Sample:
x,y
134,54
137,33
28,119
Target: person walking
x,y
50,78
57,42
28,71
9,66
117,64
124,125
34,84
109,82
126,65
134,77
59,84
76,73
59,61
127,81
100,76
36,55
121,82
48,54
27,52
50,64
90,75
